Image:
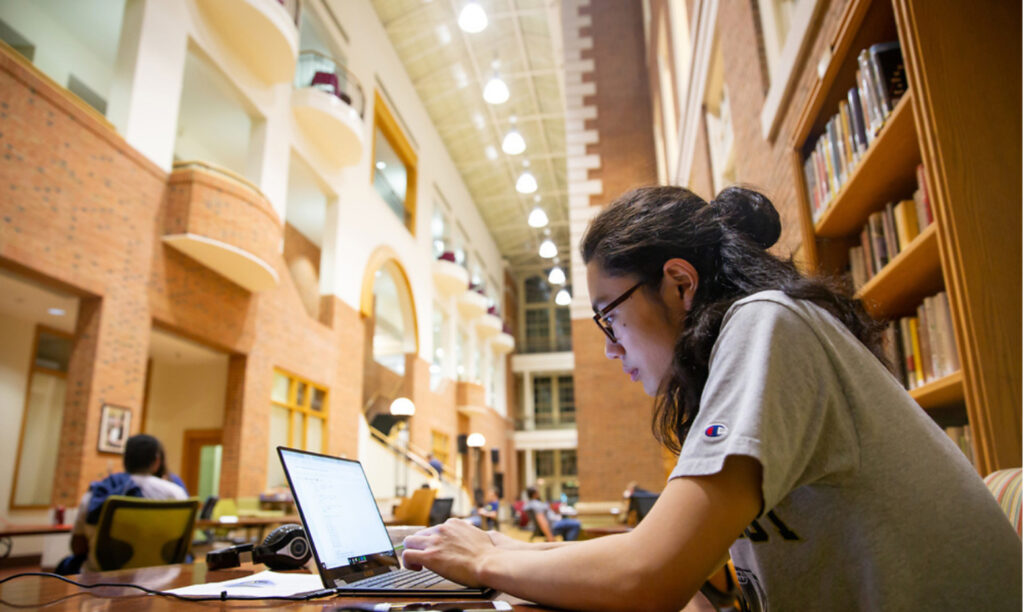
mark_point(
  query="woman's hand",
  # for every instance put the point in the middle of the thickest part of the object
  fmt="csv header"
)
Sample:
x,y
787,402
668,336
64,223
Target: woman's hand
x,y
455,549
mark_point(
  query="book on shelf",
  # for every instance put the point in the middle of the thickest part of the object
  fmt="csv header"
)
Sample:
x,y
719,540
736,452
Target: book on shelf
x,y
924,206
925,341
847,135
876,233
905,218
892,245
961,436
891,349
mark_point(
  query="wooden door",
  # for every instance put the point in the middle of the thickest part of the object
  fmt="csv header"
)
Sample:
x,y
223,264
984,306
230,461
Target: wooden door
x,y
195,440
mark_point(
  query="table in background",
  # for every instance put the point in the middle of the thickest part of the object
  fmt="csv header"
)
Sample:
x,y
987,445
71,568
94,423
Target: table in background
x,y
259,523
28,530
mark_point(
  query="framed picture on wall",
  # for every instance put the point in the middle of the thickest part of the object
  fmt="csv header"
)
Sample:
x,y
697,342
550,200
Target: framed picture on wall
x,y
115,424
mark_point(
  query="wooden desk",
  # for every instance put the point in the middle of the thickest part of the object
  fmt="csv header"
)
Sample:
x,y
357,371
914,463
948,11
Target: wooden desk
x,y
37,592
28,530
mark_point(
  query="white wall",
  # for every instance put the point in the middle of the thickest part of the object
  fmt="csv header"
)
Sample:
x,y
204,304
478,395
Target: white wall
x,y
184,396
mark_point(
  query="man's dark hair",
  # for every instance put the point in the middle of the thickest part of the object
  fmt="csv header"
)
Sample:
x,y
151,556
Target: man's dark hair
x,y
531,492
140,453
726,241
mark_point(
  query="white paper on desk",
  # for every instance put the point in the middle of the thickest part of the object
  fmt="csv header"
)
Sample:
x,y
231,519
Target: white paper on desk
x,y
263,584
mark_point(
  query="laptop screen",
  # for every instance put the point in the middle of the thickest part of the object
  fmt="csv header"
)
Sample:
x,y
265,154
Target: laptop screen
x,y
339,513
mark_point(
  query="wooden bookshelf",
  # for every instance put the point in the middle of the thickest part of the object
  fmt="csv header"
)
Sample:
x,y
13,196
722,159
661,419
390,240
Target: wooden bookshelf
x,y
873,180
945,391
914,274
961,118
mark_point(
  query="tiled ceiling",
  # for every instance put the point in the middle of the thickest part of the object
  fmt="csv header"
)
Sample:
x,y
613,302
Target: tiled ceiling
x,y
449,68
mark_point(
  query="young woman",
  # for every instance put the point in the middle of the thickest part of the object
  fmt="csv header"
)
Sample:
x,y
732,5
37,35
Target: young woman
x,y
799,453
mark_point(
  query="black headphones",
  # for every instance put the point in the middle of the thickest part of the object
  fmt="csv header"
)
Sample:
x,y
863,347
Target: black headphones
x,y
285,548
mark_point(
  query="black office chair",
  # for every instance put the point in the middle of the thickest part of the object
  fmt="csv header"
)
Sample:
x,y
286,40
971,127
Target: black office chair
x,y
440,510
639,505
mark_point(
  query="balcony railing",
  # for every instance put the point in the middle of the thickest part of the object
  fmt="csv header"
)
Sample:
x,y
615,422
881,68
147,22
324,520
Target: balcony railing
x,y
546,421
314,69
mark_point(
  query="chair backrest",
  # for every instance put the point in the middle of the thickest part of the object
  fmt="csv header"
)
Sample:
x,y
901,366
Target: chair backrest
x,y
641,504
225,506
440,510
206,511
136,532
1005,485
416,511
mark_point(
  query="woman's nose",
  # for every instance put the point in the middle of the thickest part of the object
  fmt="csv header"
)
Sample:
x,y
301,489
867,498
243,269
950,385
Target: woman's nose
x,y
612,349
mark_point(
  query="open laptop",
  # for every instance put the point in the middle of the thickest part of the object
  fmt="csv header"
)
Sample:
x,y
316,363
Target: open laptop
x,y
349,540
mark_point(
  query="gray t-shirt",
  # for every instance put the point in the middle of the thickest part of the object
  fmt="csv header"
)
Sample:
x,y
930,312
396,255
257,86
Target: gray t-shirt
x,y
868,505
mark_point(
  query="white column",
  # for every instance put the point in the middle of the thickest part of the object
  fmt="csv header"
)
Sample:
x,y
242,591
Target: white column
x,y
269,150
328,253
148,77
528,466
528,423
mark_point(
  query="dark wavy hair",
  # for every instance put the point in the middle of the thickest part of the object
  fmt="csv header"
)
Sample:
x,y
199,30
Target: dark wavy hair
x,y
725,241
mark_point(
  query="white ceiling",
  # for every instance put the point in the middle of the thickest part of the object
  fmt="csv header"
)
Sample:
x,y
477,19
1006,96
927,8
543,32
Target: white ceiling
x,y
24,299
449,68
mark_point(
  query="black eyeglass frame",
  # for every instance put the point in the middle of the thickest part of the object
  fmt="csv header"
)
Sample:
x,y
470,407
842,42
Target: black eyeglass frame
x,y
600,314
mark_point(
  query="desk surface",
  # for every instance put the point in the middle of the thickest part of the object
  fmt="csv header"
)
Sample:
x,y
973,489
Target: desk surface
x,y
26,530
249,521
36,592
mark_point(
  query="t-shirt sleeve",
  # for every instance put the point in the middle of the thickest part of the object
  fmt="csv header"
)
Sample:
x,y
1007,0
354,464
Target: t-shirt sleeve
x,y
772,394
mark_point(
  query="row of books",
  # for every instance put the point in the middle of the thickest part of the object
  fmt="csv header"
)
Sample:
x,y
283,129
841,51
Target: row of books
x,y
881,81
889,231
922,348
961,436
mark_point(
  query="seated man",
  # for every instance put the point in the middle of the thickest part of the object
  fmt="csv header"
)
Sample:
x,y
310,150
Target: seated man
x,y
485,516
143,460
550,522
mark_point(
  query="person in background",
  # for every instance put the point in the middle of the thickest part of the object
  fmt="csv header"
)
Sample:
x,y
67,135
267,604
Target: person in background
x,y
799,454
549,522
143,460
485,516
435,463
169,476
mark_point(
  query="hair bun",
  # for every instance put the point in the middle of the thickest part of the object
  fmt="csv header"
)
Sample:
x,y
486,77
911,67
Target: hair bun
x,y
749,212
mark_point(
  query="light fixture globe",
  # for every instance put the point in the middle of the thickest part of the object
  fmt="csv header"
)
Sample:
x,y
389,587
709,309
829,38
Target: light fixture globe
x,y
526,183
537,218
513,143
472,18
402,406
496,91
556,276
547,249
475,440
562,298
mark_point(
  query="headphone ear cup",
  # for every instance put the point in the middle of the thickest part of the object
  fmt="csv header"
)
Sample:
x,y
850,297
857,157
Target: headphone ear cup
x,y
284,548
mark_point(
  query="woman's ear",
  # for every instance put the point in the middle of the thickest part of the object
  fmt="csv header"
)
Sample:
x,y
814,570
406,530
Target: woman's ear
x,y
679,284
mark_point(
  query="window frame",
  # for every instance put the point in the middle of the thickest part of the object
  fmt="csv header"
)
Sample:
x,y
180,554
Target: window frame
x,y
292,407
384,120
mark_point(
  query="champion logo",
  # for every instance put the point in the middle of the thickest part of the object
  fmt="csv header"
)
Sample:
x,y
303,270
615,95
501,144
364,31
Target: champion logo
x,y
716,431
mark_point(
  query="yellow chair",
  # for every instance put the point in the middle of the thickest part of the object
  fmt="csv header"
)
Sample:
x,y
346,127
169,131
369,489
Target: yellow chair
x,y
136,532
415,510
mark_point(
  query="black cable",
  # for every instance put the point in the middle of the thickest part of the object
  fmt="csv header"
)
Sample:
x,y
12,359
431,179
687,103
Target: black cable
x,y
222,597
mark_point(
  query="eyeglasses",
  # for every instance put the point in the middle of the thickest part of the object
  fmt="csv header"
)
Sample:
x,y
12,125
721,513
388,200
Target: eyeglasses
x,y
599,318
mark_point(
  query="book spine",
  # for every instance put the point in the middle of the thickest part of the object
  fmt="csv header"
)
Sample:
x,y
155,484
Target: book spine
x,y
890,346
906,222
906,341
878,81
809,183
839,176
847,133
823,184
915,343
924,343
881,257
870,94
830,169
935,346
869,257
946,324
892,244
857,122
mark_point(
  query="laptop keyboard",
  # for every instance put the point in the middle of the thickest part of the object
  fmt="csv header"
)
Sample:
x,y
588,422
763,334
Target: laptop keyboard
x,y
402,579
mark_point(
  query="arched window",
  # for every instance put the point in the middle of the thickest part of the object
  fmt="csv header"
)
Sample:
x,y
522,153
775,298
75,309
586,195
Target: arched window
x,y
394,332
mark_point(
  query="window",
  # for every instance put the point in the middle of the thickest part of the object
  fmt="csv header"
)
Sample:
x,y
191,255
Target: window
x,y
785,28
394,166
568,462
545,463
546,327
440,335
393,327
556,474
298,419
36,463
718,118
440,445
554,403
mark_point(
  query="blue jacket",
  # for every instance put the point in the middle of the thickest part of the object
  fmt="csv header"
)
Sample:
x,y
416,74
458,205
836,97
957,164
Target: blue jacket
x,y
115,484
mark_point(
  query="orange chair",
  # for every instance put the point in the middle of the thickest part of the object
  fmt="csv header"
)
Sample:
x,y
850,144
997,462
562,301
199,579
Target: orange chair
x,y
415,510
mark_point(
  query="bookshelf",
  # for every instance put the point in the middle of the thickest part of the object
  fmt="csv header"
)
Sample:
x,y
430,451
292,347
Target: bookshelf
x,y
960,118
